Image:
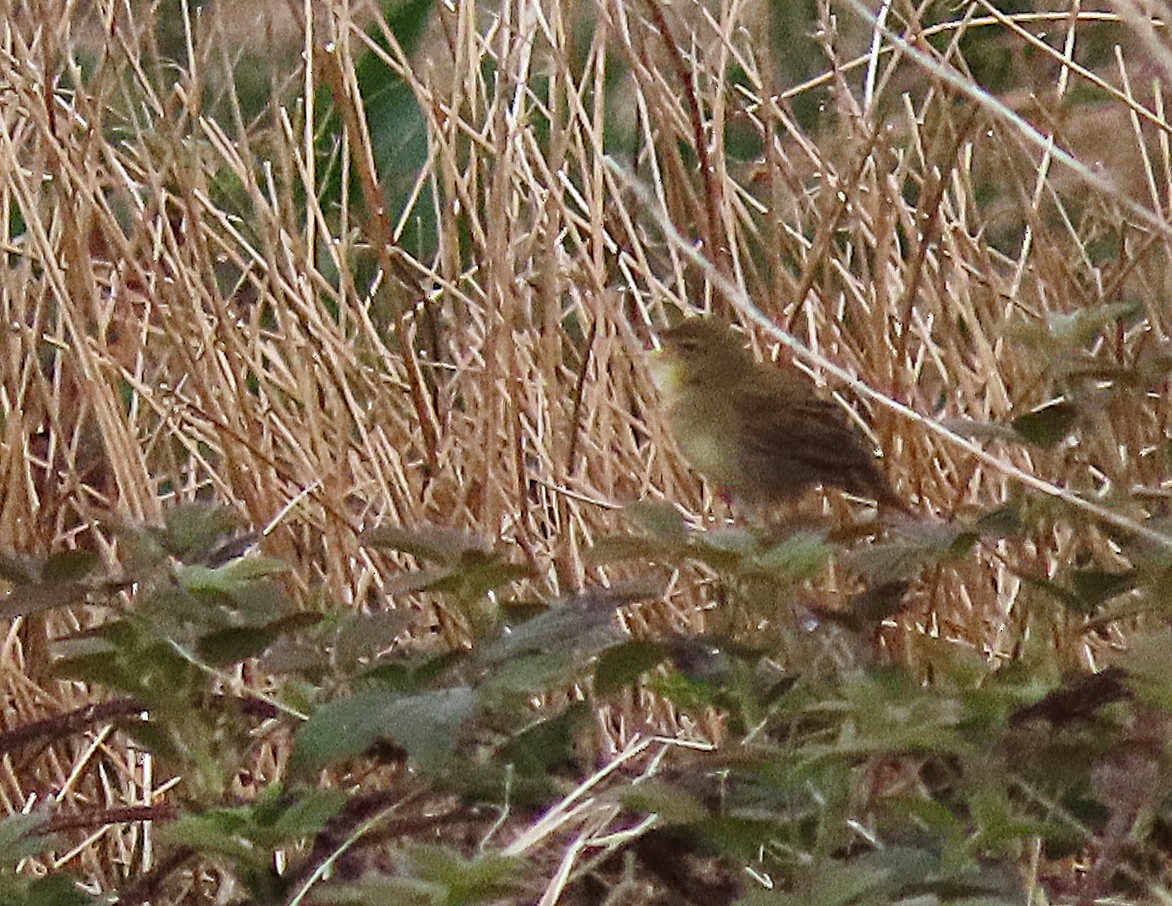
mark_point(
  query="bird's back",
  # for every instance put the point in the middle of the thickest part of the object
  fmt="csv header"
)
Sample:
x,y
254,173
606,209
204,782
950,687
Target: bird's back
x,y
793,440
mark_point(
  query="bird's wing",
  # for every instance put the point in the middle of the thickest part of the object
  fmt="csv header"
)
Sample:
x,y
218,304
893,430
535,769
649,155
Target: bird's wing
x,y
792,439
802,428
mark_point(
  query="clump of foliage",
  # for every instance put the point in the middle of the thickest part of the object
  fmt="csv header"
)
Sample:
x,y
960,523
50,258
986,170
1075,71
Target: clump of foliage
x,y
839,777
384,292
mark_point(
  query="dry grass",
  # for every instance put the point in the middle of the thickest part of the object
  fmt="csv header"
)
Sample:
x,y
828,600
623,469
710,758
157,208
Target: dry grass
x,y
160,347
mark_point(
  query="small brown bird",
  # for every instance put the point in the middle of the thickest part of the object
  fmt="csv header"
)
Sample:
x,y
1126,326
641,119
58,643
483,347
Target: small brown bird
x,y
759,431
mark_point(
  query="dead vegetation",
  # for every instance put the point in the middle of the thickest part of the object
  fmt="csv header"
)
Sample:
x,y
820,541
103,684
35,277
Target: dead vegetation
x,y
186,319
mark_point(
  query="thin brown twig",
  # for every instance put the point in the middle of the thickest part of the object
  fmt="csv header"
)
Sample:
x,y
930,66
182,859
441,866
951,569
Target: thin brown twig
x,y
713,191
377,225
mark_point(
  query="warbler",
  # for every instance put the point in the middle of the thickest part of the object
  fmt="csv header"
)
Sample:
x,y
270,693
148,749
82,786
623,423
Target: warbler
x,y
759,431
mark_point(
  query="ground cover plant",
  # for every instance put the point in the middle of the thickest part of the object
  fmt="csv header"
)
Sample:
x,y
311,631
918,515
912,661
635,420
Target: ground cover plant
x,y
348,555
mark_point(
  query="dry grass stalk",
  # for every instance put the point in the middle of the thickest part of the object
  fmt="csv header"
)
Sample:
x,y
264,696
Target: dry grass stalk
x,y
501,386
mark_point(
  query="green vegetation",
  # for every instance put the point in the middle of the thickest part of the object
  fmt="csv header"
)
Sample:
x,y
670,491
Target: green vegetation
x,y
347,554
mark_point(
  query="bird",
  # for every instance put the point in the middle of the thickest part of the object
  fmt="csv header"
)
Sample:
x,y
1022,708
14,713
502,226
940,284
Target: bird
x,y
761,432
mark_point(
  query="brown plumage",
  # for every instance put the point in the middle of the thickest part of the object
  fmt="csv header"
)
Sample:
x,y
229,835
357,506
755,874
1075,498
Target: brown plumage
x,y
760,431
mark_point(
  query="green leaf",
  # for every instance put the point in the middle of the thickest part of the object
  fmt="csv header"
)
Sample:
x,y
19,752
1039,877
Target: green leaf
x,y
56,890
377,890
122,656
295,655
735,836
202,579
140,549
302,643
686,693
296,622
672,804
477,574
726,540
533,673
1049,425
585,620
874,604
436,544
800,556
622,665
901,558
1095,587
663,521
20,837
407,20
892,713
842,884
218,831
167,607
1148,663
18,569
483,879
93,667
214,599
233,645
41,596
363,636
1002,522
253,568
548,744
231,578
309,814
398,128
1069,599
69,566
413,674
723,548
194,529
416,580
425,725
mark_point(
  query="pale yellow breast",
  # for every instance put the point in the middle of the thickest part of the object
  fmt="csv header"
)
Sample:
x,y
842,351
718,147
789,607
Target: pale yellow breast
x,y
704,436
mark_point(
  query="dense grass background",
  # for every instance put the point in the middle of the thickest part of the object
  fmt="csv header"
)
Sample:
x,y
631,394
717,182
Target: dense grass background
x,y
400,267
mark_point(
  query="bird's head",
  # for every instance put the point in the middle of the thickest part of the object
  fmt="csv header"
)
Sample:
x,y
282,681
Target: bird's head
x,y
701,352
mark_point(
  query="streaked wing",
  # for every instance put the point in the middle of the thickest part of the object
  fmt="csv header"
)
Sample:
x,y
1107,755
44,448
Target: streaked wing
x,y
794,442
